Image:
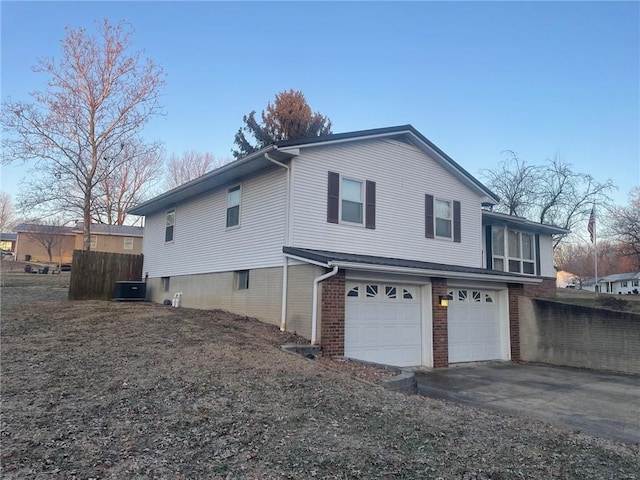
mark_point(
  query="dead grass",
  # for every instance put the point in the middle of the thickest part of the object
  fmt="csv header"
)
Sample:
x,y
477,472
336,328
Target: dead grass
x,y
130,390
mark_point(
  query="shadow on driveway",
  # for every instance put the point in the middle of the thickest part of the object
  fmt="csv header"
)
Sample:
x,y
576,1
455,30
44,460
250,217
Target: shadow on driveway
x,y
600,404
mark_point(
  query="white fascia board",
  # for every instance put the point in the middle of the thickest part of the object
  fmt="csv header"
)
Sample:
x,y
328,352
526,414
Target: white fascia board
x,y
436,273
306,260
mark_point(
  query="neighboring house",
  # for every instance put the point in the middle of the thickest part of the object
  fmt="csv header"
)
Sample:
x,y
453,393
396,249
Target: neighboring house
x,y
32,241
8,241
374,244
620,283
111,238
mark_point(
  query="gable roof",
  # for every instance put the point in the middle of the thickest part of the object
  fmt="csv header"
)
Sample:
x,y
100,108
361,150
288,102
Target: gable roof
x,y
102,229
620,277
285,150
38,228
521,223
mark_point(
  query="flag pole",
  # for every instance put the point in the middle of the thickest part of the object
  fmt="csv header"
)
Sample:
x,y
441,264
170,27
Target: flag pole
x,y
595,246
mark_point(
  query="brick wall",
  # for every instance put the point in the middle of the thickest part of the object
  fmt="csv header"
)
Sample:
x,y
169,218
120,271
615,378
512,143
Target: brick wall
x,y
546,289
577,336
440,323
515,292
332,307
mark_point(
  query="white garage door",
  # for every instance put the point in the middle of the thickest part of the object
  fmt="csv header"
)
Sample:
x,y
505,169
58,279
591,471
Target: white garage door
x,y
383,323
474,325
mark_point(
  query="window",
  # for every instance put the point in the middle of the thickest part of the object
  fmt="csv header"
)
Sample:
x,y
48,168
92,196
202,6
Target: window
x,y
528,255
497,243
165,282
128,243
443,214
170,223
242,280
233,206
635,283
442,219
624,284
520,252
352,201
93,241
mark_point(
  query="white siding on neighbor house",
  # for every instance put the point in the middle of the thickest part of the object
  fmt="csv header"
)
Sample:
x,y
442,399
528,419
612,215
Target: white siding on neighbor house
x,y
403,175
202,242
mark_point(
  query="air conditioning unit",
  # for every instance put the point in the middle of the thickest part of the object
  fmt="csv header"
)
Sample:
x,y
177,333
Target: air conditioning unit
x,y
129,290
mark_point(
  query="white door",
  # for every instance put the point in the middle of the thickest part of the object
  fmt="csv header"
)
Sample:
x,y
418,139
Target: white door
x,y
383,323
474,325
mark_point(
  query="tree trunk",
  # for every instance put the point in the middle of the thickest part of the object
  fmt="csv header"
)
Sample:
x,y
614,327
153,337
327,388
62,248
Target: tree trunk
x,y
86,227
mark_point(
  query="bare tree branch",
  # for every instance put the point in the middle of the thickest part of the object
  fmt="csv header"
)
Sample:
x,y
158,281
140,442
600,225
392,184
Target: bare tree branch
x,y
98,98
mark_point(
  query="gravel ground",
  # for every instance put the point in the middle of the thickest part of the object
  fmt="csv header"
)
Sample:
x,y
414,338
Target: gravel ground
x,y
97,390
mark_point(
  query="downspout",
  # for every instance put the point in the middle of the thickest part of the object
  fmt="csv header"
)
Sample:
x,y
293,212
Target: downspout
x,y
285,263
314,312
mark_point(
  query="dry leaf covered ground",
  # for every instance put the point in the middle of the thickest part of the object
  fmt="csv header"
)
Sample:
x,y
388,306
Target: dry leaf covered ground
x,y
135,390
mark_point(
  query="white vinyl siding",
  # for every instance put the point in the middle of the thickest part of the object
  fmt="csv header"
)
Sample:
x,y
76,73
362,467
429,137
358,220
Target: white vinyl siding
x,y
202,242
546,256
403,175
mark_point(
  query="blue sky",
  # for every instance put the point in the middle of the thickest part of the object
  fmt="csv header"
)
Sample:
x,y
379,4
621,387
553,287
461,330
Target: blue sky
x,y
476,78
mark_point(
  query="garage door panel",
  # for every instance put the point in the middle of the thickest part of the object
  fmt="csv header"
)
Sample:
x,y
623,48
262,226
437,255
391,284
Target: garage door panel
x,y
383,325
474,326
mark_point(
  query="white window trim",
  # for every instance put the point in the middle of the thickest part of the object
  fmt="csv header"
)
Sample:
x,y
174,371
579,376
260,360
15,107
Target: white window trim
x,y
508,257
363,186
238,278
173,232
127,245
435,218
229,188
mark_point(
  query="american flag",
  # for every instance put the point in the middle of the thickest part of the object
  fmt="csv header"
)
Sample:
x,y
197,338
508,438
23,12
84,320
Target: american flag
x,y
592,223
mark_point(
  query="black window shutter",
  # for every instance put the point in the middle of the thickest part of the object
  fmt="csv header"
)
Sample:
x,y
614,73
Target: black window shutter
x,y
370,212
538,254
488,240
457,230
428,216
333,197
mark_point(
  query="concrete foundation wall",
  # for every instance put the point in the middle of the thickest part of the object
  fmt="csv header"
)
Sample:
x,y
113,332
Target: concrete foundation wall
x,y
300,298
261,300
571,335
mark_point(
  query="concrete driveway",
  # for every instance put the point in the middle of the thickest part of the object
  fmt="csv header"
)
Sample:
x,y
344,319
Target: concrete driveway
x,y
599,404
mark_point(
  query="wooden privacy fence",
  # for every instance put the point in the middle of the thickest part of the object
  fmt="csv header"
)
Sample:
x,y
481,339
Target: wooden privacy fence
x,y
94,274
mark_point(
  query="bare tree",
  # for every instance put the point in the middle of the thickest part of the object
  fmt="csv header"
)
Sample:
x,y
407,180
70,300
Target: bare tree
x,y
625,225
577,258
7,213
514,182
49,234
189,166
99,97
128,184
552,193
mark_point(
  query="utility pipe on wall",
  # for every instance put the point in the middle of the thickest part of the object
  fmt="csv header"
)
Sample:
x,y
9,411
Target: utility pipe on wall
x,y
285,264
314,312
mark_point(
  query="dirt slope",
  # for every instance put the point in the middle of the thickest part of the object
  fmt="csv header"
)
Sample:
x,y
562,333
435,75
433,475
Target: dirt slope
x,y
129,390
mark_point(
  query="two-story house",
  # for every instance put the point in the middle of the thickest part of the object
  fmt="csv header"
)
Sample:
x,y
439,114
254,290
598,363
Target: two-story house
x,y
374,244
